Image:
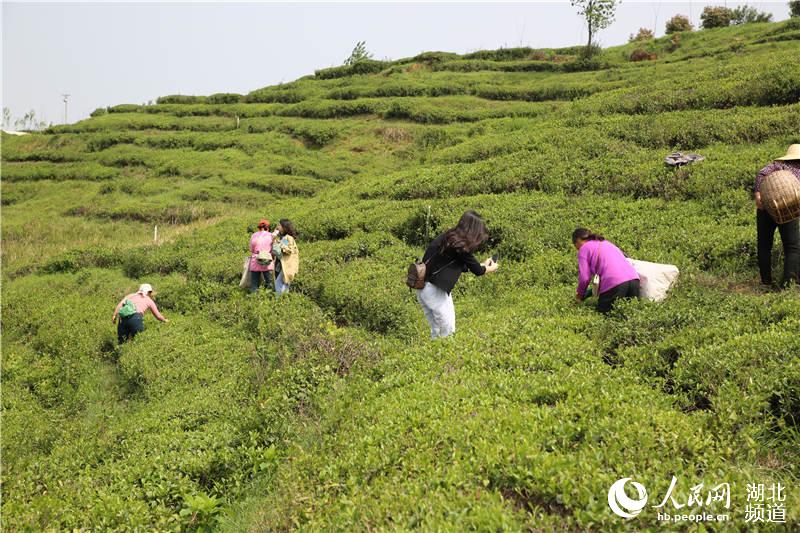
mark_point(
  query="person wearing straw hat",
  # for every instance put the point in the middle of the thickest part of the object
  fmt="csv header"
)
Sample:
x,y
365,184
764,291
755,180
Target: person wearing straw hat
x,y
766,225
129,314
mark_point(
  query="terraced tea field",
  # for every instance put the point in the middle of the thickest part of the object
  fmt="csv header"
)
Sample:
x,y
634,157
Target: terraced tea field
x,y
330,409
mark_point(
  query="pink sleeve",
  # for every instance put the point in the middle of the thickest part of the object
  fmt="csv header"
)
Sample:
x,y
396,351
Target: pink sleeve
x,y
119,306
584,274
152,306
253,243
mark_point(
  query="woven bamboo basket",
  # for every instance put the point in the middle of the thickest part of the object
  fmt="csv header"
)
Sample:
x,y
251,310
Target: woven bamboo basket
x,y
780,196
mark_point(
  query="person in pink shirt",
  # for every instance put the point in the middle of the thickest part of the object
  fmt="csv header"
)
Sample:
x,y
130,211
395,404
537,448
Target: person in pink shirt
x,y
261,242
618,279
129,314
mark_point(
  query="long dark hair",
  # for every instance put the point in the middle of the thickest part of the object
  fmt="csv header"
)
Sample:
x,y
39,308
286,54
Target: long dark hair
x,y
583,234
468,235
288,227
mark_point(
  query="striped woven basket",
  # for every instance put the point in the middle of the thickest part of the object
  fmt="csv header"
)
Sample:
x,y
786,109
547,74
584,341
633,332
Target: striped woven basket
x,y
780,196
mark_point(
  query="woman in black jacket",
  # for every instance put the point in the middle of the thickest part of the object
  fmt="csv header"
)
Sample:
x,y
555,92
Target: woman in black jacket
x,y
446,258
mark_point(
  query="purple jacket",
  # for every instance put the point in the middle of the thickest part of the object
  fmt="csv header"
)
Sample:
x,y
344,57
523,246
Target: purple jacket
x,y
607,261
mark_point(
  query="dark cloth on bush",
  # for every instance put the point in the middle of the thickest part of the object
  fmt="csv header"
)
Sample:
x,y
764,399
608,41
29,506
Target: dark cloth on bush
x,y
627,289
444,269
677,159
128,327
790,237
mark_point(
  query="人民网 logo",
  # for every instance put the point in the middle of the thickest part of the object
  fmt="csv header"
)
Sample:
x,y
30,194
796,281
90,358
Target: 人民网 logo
x,y
621,503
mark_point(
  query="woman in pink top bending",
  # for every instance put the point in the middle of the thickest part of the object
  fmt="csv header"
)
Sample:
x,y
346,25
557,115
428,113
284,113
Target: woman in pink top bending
x,y
618,279
129,314
261,263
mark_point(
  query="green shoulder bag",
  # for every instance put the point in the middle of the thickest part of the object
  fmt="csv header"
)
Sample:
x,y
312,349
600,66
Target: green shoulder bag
x,y
127,309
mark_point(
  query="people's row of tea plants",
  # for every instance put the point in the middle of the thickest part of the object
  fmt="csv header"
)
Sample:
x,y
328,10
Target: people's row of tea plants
x,y
124,437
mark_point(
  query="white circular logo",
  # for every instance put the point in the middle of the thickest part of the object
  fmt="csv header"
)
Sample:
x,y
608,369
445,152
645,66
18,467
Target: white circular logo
x,y
621,504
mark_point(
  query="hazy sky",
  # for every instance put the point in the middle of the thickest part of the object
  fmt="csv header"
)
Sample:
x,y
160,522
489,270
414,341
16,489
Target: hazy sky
x,y
112,53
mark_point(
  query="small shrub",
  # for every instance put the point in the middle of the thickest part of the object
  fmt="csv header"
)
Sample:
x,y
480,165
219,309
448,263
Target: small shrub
x,y
180,99
716,17
642,55
643,35
737,44
678,23
674,42
432,138
225,98
124,108
365,66
102,141
748,14
314,135
590,52
393,135
501,54
794,8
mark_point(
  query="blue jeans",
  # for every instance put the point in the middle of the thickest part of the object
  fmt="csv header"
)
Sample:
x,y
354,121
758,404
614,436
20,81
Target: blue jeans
x,y
256,277
281,286
127,328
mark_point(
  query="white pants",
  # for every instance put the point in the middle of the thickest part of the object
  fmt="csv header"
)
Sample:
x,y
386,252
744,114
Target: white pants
x,y
439,310
281,286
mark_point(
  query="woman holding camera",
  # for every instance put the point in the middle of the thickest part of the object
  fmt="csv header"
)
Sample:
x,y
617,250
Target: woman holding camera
x,y
446,258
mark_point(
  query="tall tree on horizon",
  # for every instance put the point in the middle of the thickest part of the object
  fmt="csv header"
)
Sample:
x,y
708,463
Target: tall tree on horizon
x,y
598,14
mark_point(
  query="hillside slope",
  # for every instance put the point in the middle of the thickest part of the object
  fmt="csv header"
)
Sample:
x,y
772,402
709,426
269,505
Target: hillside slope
x,y
330,409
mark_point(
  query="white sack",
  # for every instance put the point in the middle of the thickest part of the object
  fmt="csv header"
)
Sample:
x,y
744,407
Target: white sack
x,y
245,281
654,279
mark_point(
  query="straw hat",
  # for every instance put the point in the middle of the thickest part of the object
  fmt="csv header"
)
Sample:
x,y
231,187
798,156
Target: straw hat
x,y
792,154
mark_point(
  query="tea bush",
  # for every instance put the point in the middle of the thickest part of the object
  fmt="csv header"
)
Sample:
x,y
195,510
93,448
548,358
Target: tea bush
x,y
366,66
506,476
189,448
678,23
33,171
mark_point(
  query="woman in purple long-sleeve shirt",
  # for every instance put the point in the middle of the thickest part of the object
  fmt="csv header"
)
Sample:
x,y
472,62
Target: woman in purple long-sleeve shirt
x,y
618,279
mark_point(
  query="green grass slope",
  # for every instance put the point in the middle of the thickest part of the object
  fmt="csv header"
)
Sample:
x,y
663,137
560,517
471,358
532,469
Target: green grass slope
x,y
330,409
